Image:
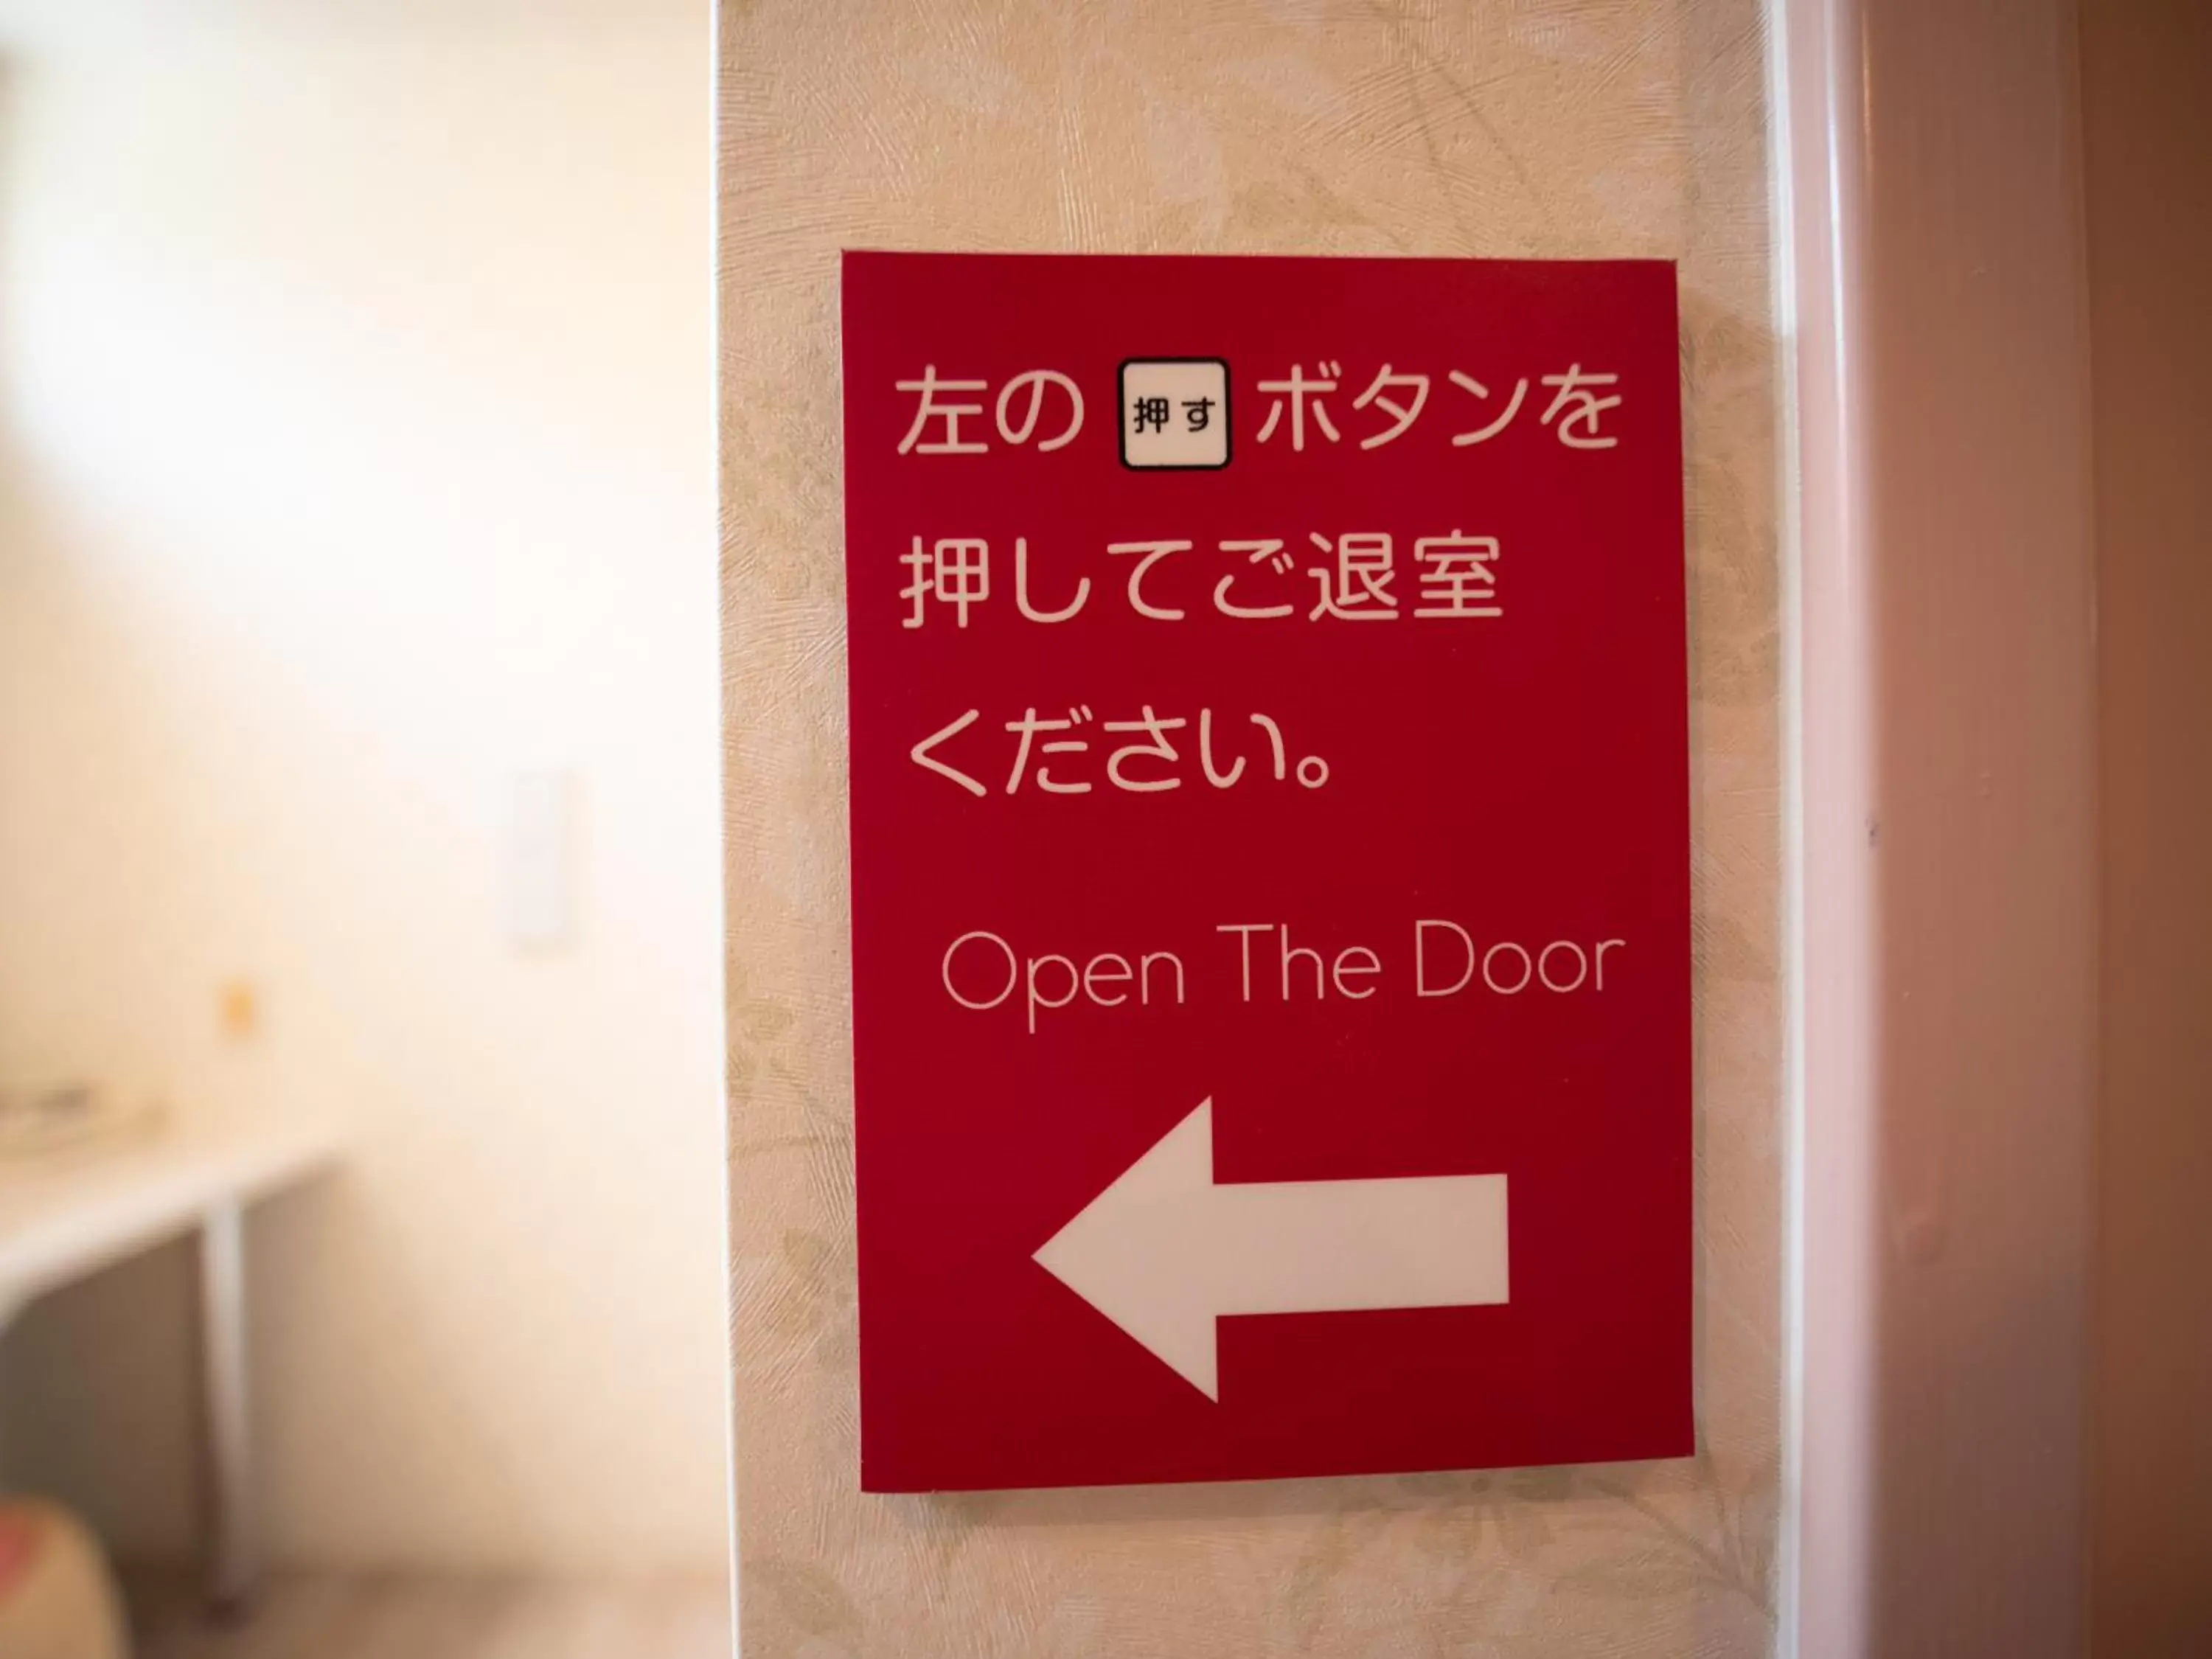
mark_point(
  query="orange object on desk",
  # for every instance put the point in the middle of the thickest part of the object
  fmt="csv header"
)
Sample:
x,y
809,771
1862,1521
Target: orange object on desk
x,y
56,1600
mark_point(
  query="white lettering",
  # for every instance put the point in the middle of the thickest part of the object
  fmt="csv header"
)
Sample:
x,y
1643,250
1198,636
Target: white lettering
x,y
1145,967
1118,975
1527,969
1245,946
1606,946
1038,1001
1544,966
1314,956
1343,965
1421,986
953,950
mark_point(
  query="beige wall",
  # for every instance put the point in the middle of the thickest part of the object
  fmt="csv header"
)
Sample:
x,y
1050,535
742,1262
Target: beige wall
x,y
1504,127
2146,74
357,392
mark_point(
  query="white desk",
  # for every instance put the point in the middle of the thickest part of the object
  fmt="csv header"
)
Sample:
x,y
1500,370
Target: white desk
x,y
65,1217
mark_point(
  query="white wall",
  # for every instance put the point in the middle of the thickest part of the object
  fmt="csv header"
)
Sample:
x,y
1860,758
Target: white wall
x,y
358,452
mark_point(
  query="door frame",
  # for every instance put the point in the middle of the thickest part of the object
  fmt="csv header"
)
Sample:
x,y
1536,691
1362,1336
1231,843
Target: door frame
x,y
1931,279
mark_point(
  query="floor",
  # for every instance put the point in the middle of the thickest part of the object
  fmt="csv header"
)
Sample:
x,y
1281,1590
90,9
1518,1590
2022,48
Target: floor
x,y
408,1618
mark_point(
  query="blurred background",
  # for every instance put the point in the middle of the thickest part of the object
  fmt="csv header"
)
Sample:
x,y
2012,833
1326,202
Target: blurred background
x,y
359,858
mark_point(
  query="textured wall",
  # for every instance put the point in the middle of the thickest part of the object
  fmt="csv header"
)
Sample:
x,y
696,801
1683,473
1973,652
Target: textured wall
x,y
1560,128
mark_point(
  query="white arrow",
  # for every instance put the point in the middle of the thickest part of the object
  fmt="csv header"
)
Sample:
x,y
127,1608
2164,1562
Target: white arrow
x,y
1165,1251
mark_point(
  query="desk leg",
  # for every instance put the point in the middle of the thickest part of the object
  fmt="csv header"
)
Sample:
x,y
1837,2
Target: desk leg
x,y
234,1558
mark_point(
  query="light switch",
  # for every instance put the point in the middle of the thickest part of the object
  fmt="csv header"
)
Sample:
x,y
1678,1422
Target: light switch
x,y
541,859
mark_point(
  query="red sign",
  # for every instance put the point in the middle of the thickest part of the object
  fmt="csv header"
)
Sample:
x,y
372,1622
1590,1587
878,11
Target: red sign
x,y
1270,830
